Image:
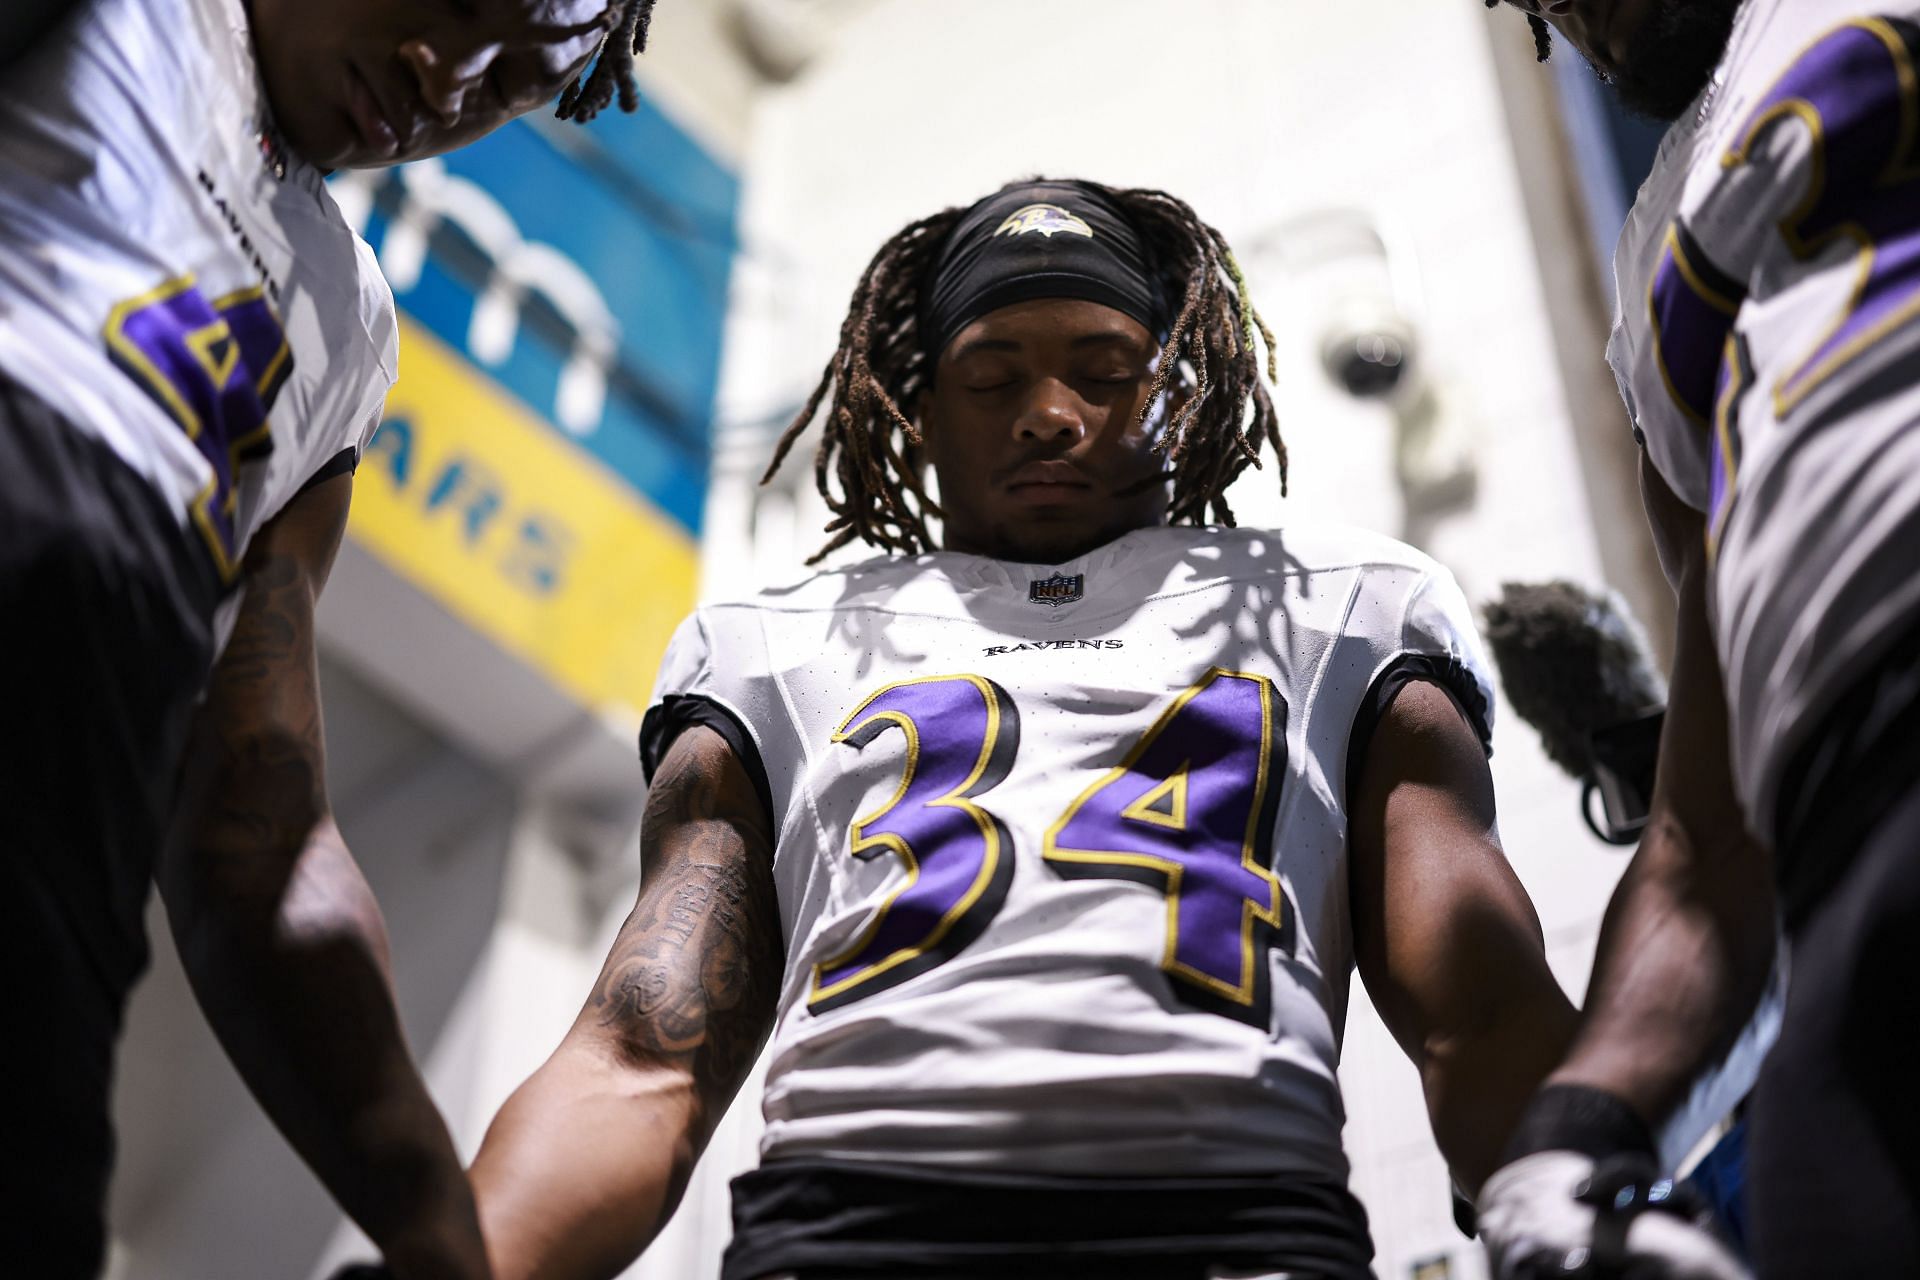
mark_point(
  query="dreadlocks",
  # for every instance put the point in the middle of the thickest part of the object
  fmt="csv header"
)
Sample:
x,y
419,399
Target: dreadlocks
x,y
593,91
871,447
1542,33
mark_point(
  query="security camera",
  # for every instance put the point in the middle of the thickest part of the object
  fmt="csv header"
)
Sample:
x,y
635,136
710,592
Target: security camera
x,y
1369,349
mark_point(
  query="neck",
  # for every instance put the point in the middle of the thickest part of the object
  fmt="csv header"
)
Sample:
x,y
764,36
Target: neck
x,y
1018,551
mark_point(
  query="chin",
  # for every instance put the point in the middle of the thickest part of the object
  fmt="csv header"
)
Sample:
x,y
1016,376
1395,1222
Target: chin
x,y
321,148
1672,56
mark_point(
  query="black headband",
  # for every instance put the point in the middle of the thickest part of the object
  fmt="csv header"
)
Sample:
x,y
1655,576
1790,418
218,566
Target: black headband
x,y
1040,240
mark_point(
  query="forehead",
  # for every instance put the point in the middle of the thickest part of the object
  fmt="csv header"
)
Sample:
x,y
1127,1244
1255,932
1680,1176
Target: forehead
x,y
1050,320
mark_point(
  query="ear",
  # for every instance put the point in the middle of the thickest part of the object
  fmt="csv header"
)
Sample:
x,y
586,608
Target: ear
x,y
922,411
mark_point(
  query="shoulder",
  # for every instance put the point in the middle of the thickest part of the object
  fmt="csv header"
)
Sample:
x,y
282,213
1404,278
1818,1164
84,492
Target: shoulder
x,y
1303,549
881,582
124,69
377,311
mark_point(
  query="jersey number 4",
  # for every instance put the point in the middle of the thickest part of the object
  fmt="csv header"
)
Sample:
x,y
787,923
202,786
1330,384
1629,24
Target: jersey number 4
x,y
215,368
1189,811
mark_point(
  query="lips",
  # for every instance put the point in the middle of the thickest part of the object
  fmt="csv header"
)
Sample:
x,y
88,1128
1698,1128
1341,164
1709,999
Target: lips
x,y
1046,482
1049,474
368,119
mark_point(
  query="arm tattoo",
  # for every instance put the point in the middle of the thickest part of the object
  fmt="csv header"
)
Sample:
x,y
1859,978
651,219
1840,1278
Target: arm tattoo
x,y
260,735
694,976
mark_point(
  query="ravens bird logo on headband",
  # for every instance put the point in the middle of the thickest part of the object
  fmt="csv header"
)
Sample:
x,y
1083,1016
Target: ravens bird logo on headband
x,y
1047,219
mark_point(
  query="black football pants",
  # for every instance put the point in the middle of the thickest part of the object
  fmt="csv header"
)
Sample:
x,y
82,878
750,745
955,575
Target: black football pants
x,y
1834,1166
105,644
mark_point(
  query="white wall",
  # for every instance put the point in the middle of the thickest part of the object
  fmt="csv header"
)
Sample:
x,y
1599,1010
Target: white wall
x,y
1256,112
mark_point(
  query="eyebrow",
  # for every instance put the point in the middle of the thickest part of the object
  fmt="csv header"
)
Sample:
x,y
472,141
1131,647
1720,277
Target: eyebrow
x,y
977,346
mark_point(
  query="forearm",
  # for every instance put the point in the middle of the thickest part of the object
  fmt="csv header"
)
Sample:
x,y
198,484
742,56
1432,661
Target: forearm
x,y
288,956
583,1166
1478,1081
1689,936
1685,950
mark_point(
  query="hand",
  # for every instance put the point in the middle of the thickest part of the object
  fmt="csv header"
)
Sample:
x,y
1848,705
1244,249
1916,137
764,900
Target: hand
x,y
1558,1214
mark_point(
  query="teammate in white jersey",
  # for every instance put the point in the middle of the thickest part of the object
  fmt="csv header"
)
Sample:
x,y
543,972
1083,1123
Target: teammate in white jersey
x,y
1769,316
194,347
1045,856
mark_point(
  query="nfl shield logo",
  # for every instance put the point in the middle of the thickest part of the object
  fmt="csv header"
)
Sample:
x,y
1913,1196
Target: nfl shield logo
x,y
1057,590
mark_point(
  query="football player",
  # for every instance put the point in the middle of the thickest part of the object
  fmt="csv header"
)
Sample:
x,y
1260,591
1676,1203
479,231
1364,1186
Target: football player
x,y
1043,846
194,348
1769,315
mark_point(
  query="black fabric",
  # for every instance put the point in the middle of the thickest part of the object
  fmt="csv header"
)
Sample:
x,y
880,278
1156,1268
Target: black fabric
x,y
345,462
106,638
1833,1173
1040,240
1449,673
828,1219
674,714
1861,758
1573,1117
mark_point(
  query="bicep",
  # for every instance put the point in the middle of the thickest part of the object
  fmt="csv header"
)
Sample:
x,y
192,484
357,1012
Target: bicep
x,y
588,1158
691,982
254,782
1440,919
1694,778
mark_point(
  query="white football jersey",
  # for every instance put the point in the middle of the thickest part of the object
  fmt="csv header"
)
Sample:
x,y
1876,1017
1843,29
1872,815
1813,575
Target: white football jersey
x,y
172,279
1769,285
1062,851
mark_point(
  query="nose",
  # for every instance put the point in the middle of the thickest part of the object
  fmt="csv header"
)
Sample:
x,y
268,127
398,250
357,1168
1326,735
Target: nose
x,y
1051,415
443,80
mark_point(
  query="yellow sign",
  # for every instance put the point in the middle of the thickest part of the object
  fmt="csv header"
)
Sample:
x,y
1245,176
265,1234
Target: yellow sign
x,y
526,539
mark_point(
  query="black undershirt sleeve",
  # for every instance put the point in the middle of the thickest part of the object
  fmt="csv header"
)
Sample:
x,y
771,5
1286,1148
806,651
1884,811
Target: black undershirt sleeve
x,y
674,714
341,463
1448,673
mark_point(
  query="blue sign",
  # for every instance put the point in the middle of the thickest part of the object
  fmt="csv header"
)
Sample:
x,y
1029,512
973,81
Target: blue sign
x,y
583,270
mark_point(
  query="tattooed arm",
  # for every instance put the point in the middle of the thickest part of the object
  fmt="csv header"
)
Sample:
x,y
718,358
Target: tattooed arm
x,y
588,1158
280,935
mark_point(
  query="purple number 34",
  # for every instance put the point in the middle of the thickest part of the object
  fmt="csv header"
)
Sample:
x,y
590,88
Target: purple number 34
x,y
1189,811
215,368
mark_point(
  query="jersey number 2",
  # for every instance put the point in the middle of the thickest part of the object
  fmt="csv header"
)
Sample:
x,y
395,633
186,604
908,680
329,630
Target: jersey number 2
x,y
1188,811
215,368
1856,92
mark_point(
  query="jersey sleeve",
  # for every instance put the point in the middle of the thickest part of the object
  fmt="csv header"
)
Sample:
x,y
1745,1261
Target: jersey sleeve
x,y
383,331
688,693
382,320
1439,644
